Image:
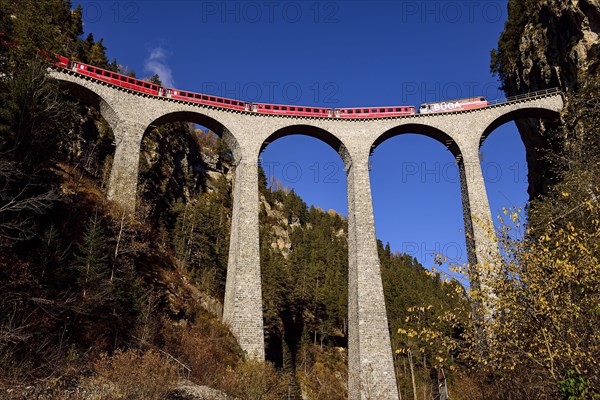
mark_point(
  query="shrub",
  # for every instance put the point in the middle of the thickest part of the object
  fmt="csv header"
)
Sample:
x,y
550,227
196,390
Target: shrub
x,y
254,380
132,375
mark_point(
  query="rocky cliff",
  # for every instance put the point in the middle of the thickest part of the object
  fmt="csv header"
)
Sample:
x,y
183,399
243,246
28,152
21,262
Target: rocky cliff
x,y
545,44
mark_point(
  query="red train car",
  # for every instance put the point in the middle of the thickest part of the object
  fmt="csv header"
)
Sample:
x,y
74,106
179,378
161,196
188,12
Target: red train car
x,y
454,105
207,99
117,79
61,61
375,112
280,109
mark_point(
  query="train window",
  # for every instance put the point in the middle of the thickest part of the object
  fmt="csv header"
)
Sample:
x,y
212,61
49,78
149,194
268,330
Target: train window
x,y
268,107
481,99
276,108
349,111
300,108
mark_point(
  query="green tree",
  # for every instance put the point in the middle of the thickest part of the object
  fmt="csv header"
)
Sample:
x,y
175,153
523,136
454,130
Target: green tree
x,y
92,261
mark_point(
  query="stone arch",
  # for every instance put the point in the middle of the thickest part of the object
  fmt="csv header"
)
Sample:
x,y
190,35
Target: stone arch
x,y
520,113
201,119
420,129
92,99
313,131
535,144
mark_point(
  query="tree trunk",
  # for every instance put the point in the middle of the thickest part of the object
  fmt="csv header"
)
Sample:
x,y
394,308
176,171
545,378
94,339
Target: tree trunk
x,y
412,374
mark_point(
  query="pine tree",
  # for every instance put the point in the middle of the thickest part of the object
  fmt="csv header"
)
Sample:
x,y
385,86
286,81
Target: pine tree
x,y
92,261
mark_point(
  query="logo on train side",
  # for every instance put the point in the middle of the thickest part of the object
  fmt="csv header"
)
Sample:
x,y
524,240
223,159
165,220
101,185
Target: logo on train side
x,y
445,106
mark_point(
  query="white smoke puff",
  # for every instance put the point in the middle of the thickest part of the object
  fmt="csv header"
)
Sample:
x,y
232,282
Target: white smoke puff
x,y
157,64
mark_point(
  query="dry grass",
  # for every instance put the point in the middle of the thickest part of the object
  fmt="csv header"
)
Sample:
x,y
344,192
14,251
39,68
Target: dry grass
x,y
132,375
205,346
255,380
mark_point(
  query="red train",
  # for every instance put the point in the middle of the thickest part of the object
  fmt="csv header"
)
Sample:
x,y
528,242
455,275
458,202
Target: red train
x,y
453,105
280,109
263,108
375,112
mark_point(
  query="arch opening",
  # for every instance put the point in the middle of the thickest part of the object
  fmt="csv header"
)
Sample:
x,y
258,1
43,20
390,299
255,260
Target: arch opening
x,y
504,165
529,121
417,202
201,120
307,130
185,187
537,113
93,147
304,249
92,99
419,129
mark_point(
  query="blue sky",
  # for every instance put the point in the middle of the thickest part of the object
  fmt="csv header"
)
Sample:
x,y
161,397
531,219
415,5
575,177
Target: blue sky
x,y
338,54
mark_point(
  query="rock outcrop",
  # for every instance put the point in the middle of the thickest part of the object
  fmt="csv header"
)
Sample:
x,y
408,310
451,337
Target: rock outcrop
x,y
545,44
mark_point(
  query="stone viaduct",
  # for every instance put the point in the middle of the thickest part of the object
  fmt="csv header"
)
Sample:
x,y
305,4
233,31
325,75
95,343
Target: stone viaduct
x,y
131,114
